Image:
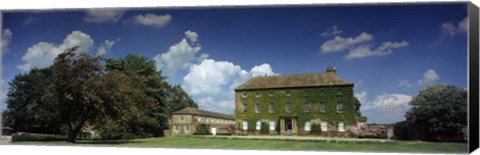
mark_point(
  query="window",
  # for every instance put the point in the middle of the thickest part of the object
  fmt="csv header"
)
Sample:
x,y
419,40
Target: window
x,y
182,119
307,107
307,126
323,126
341,127
271,108
288,107
287,92
305,92
339,92
244,107
187,128
340,107
176,128
208,120
270,93
272,125
257,108
244,94
258,125
245,125
322,92
323,106
199,119
257,94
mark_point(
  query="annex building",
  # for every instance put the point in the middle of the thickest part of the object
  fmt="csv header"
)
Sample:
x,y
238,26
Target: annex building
x,y
185,121
292,103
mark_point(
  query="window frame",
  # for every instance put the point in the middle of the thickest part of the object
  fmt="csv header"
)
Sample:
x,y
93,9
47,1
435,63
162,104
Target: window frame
x,y
257,108
288,92
340,107
324,126
258,94
324,109
342,127
288,107
244,94
309,125
271,108
271,123
258,125
187,128
306,107
244,108
245,125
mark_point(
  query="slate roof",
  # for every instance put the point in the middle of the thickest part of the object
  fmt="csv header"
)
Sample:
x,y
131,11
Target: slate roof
x,y
195,111
294,81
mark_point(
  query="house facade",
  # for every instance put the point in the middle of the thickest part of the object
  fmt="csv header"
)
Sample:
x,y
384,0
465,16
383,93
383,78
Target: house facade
x,y
292,103
185,121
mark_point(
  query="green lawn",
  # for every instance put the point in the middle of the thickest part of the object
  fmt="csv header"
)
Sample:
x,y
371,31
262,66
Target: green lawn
x,y
222,143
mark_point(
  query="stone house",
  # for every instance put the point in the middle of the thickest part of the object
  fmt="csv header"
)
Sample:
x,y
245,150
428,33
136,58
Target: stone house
x,y
296,102
185,121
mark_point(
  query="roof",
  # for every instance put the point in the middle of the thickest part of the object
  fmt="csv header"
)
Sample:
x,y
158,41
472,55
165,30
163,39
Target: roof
x,y
294,81
195,111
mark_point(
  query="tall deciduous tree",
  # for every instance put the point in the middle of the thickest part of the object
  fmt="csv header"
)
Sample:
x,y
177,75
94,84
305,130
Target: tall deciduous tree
x,y
442,109
77,97
30,103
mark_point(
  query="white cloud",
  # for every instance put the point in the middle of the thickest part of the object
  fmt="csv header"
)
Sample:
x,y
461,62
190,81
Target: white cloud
x,y
42,54
332,31
450,29
227,104
106,46
404,83
5,41
208,77
203,57
428,77
178,56
362,96
386,108
383,50
29,20
103,15
150,19
339,43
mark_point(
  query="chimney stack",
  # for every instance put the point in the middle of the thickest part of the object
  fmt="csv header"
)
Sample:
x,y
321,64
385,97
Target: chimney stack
x,y
332,69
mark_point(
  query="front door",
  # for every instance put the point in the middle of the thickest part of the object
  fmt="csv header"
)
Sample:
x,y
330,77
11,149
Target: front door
x,y
288,125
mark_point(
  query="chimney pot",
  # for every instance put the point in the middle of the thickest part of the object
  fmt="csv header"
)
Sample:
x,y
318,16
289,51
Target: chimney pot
x,y
331,69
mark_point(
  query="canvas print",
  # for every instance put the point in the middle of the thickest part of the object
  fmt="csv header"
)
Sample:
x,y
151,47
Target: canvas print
x,y
354,78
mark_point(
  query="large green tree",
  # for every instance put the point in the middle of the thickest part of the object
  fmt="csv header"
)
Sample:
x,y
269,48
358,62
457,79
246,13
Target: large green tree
x,y
76,90
442,110
178,99
30,103
153,87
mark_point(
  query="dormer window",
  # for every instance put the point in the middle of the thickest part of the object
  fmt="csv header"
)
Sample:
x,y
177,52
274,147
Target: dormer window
x,y
305,92
322,92
287,93
257,94
244,94
339,92
270,93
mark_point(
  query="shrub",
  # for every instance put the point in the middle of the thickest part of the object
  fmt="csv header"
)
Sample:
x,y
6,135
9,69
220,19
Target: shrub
x,y
37,137
316,128
202,129
264,128
400,130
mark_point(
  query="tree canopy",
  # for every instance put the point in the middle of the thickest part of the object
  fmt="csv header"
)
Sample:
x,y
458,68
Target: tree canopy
x,y
122,97
440,110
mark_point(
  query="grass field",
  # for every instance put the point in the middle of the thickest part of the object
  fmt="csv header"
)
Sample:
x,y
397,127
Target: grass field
x,y
249,144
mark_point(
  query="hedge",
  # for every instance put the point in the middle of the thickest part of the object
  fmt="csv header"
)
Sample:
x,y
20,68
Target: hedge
x,y
37,137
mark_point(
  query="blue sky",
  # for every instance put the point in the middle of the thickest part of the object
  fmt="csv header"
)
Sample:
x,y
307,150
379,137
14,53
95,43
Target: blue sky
x,y
389,52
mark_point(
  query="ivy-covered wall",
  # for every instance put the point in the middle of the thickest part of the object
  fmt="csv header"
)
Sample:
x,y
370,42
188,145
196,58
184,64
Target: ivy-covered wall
x,y
298,97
